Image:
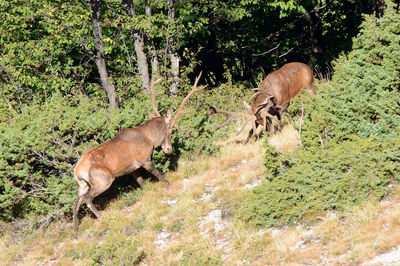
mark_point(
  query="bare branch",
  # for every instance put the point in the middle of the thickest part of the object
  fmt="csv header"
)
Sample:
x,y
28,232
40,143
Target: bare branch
x,y
43,158
291,49
267,52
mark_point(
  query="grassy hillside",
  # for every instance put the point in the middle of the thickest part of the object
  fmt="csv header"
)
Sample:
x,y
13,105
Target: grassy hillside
x,y
193,222
334,199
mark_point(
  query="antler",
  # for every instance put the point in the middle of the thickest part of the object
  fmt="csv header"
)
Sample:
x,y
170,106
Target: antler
x,y
233,115
264,113
266,104
263,110
153,97
246,105
180,110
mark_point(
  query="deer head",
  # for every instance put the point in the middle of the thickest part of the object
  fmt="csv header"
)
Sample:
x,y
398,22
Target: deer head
x,y
172,123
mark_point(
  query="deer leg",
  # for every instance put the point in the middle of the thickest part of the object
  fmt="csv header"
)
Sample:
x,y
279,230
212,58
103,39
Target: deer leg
x,y
140,181
281,109
101,180
89,203
83,188
137,175
148,165
77,206
251,132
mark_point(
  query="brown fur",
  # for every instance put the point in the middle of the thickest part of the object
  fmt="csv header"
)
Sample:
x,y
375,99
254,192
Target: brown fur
x,y
281,86
123,154
286,83
273,97
129,150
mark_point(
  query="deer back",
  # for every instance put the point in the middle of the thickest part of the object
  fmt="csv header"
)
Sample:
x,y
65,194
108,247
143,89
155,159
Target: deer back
x,y
288,81
119,154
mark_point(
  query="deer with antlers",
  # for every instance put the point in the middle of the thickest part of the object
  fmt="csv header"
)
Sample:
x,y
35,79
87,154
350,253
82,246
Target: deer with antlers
x,y
127,151
284,84
260,115
273,97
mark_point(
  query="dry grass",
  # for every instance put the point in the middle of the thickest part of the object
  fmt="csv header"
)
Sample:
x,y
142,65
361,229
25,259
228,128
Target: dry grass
x,y
286,140
192,223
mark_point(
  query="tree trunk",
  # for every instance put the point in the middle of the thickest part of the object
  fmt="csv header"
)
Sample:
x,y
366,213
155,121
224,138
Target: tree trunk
x,y
139,44
153,52
173,55
175,71
379,8
318,47
100,61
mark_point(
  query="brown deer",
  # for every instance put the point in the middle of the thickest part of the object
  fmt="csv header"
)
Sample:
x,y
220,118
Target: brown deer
x,y
273,96
284,84
127,151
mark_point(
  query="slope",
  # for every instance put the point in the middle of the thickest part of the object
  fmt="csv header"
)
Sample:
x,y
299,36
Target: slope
x,y
193,222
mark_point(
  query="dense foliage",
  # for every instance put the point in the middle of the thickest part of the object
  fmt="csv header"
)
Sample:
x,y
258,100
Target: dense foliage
x,y
332,179
350,135
363,97
40,146
53,103
49,45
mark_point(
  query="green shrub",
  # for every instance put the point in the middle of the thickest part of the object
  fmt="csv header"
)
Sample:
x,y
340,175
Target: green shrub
x,y
326,179
40,146
363,96
273,161
350,132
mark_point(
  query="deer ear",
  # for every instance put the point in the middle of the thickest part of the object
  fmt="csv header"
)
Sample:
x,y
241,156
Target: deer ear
x,y
151,116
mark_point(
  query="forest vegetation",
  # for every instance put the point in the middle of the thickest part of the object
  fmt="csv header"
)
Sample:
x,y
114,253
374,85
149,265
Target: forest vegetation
x,y
74,74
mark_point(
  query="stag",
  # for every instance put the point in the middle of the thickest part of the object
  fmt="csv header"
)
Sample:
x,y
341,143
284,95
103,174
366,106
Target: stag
x,y
273,97
284,84
127,151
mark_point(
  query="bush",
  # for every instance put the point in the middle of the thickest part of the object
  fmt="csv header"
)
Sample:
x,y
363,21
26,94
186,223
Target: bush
x,y
363,97
40,146
330,179
118,250
349,134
